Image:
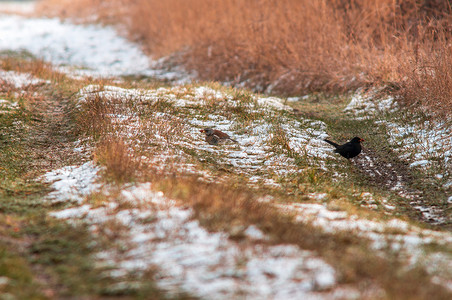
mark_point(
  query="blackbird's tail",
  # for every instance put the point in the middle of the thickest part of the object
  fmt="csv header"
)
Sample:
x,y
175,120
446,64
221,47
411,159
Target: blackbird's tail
x,y
331,143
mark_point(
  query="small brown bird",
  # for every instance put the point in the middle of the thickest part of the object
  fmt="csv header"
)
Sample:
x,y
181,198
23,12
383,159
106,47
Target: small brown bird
x,y
214,137
349,149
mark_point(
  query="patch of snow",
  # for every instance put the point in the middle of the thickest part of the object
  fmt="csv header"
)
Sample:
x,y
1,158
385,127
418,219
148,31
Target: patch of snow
x,y
254,149
396,234
420,163
363,104
72,183
18,7
273,102
209,265
254,233
20,80
83,50
318,196
426,143
7,106
4,281
422,142
294,99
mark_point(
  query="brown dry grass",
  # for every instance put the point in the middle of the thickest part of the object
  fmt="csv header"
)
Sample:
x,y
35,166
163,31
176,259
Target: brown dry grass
x,y
120,165
295,46
220,207
231,206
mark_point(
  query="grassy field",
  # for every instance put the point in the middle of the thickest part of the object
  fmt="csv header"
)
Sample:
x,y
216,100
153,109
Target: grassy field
x,y
42,257
382,221
143,131
293,47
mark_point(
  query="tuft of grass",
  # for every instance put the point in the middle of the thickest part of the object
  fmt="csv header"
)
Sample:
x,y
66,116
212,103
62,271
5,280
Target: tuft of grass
x,y
120,165
95,120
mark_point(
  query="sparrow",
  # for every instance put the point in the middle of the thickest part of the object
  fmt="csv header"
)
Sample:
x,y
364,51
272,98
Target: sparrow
x,y
349,149
214,137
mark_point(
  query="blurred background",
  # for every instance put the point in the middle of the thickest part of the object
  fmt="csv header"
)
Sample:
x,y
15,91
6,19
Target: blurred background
x,y
291,47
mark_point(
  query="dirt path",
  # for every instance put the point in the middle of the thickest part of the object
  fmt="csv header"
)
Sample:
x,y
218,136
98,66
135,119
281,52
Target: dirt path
x,y
52,133
395,176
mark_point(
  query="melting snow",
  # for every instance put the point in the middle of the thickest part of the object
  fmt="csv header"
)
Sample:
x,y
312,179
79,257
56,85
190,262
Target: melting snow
x,y
85,50
19,80
193,260
424,144
397,234
7,106
73,183
20,7
254,150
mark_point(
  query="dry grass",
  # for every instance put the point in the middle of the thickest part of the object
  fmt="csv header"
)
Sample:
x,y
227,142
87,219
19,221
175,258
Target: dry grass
x,y
95,121
120,165
230,205
35,67
295,46
220,207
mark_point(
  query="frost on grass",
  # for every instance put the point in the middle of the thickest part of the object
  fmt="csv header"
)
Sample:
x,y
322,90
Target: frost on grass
x,y
167,121
158,233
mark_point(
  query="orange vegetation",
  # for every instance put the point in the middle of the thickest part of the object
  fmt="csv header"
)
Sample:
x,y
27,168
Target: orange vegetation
x,y
294,46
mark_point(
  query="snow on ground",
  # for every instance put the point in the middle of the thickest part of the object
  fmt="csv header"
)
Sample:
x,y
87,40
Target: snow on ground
x,y
188,258
424,144
17,83
79,50
410,242
7,106
19,80
254,155
72,183
432,141
18,7
421,142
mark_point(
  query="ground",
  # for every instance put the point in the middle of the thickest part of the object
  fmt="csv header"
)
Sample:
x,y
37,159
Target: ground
x,y
108,188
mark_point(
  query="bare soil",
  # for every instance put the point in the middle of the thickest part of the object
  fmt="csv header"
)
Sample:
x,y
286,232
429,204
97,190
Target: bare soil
x,y
394,175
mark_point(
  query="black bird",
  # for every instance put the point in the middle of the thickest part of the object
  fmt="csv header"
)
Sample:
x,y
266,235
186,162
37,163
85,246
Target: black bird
x,y
349,149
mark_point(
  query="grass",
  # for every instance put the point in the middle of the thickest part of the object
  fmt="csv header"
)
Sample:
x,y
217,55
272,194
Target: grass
x,y
376,140
120,165
42,257
293,48
222,201
229,202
